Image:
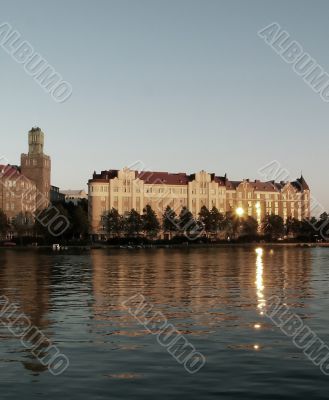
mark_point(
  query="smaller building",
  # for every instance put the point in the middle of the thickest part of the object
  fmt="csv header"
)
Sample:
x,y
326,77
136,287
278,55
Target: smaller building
x,y
74,196
55,195
17,193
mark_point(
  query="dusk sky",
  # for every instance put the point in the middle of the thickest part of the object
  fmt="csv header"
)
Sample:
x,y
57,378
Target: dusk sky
x,y
181,85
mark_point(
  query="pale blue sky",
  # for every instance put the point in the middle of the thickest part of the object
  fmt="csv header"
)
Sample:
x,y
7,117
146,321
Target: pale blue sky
x,y
182,85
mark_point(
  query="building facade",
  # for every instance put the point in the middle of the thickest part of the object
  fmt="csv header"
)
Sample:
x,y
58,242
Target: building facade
x,y
17,194
26,188
127,189
55,195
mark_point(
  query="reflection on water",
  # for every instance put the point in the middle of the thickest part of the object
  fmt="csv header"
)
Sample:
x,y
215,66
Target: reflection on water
x,y
216,297
259,280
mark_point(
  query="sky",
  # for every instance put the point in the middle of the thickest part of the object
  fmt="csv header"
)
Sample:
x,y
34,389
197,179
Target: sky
x,y
174,85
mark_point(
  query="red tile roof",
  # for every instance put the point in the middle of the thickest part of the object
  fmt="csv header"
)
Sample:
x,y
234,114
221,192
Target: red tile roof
x,y
181,178
9,171
163,177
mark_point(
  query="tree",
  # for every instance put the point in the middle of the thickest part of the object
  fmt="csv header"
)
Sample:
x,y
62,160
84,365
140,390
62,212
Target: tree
x,y
187,223
64,213
150,222
4,225
185,220
52,231
273,226
114,223
216,221
323,217
169,221
249,226
80,223
293,227
23,224
231,225
133,223
205,218
309,229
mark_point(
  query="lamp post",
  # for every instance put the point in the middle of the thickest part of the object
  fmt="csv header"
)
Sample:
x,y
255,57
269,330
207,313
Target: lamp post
x,y
239,212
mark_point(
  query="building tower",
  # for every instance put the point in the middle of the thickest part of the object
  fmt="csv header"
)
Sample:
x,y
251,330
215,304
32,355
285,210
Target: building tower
x,y
36,166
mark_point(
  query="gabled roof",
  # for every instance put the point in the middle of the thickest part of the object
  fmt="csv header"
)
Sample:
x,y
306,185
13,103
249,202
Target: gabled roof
x,y
221,180
150,177
268,186
232,185
9,171
301,183
104,176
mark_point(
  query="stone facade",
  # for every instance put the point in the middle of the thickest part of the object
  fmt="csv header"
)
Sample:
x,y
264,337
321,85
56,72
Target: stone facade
x,y
126,189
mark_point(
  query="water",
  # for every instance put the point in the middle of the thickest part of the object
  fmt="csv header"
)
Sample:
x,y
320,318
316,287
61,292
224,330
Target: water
x,y
214,296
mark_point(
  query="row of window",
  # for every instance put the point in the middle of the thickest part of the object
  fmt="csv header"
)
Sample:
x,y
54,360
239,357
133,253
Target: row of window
x,y
161,190
266,196
35,162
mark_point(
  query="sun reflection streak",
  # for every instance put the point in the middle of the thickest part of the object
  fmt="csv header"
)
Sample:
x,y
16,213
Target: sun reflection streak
x,y
259,280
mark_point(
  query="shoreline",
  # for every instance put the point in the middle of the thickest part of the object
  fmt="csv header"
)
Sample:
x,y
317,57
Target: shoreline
x,y
68,248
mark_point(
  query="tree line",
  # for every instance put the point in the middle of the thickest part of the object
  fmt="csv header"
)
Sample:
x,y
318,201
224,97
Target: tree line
x,y
25,228
210,224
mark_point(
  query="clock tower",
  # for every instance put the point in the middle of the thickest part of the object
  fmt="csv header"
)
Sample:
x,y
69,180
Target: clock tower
x,y
36,166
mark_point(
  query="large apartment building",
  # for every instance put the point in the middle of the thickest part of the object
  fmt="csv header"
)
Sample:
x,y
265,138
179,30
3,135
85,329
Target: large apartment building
x,y
127,189
26,188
